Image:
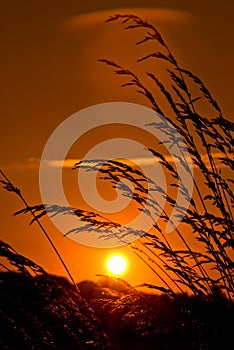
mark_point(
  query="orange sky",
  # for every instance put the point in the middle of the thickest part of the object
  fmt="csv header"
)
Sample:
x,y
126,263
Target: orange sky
x,y
49,70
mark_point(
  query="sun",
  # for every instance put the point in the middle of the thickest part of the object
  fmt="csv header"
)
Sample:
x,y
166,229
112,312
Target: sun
x,y
117,264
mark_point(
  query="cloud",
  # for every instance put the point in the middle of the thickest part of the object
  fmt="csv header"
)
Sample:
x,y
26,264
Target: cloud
x,y
34,163
142,161
69,163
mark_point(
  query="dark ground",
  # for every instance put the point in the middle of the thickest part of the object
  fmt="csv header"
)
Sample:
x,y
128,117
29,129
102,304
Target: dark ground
x,y
45,313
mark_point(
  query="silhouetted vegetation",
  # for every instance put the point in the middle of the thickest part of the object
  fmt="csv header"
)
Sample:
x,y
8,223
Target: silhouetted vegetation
x,y
17,261
210,144
210,216
135,320
45,312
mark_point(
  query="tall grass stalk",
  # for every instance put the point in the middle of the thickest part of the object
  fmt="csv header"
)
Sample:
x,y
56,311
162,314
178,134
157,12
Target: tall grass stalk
x,y
8,185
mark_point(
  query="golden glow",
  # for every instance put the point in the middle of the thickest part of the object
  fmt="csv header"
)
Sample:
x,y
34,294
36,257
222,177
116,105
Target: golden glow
x,y
117,264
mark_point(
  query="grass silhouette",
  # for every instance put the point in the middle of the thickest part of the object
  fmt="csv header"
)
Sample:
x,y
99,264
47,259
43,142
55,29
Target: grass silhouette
x,y
45,312
202,320
211,212
8,185
210,215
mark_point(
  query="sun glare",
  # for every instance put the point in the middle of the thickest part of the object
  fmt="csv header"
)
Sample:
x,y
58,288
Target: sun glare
x,y
116,264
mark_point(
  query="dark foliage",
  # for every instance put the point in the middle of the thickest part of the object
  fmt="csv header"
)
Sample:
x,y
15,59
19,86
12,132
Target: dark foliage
x,y
45,313
135,320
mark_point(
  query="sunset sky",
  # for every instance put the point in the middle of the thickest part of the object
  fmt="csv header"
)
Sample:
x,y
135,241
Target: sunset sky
x,y
49,70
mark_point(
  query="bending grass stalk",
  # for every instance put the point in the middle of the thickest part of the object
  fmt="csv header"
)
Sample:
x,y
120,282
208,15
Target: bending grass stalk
x,y
8,185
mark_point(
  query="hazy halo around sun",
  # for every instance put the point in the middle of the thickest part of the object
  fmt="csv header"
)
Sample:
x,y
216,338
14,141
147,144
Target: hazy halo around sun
x,y
158,14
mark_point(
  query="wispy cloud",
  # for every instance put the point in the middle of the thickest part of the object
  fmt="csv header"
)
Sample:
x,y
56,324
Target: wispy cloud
x,y
141,161
34,163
